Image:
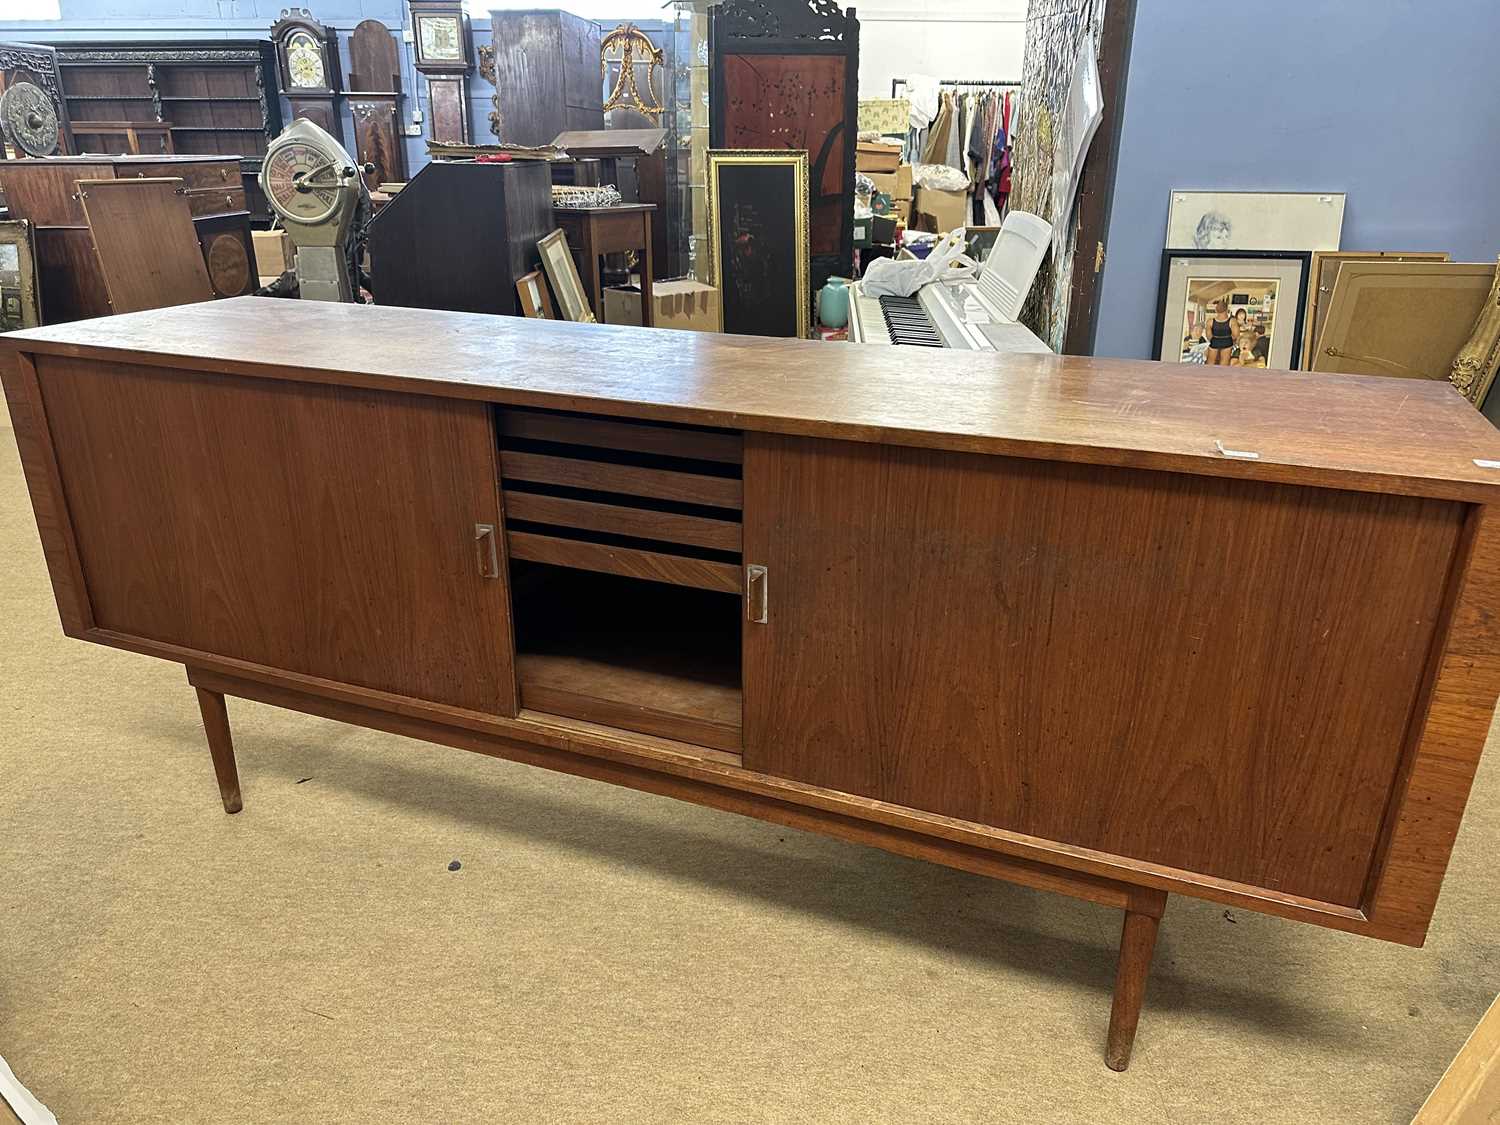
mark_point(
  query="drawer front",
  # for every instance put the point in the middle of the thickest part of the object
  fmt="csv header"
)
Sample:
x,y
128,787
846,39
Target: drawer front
x,y
195,176
221,174
215,201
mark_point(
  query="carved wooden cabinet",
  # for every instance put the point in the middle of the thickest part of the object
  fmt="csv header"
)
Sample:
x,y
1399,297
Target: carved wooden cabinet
x,y
546,75
1104,628
213,98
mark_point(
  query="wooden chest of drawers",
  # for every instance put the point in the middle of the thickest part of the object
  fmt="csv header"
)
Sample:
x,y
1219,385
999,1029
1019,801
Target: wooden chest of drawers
x,y
46,192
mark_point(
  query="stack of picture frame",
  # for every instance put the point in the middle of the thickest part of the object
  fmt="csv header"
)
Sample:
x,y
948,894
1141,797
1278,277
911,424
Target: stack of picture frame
x,y
1257,279
1235,275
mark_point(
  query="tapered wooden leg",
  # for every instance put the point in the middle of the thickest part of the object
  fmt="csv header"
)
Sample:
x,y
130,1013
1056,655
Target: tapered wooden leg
x,y
221,746
1137,943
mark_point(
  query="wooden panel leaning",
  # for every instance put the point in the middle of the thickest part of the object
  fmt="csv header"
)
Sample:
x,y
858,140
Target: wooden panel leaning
x,y
143,235
1109,629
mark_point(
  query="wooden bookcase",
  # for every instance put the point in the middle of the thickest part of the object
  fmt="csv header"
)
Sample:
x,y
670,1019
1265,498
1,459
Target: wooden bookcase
x,y
216,99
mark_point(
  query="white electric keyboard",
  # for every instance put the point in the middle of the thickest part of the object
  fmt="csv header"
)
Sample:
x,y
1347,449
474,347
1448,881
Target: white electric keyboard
x,y
963,314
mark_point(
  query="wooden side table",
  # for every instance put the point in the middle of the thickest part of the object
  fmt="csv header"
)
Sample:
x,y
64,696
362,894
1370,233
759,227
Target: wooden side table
x,y
593,231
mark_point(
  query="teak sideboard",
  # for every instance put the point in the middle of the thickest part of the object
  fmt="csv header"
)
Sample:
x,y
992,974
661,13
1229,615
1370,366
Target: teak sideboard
x,y
1106,628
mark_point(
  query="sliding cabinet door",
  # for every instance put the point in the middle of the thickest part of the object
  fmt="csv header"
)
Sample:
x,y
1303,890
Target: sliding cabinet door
x,y
328,531
1210,674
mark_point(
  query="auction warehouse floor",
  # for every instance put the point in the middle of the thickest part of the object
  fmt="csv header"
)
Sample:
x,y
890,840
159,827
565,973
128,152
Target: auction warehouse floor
x,y
603,955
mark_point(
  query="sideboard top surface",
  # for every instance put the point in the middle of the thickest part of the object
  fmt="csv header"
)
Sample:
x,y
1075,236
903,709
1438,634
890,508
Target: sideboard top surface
x,y
1410,436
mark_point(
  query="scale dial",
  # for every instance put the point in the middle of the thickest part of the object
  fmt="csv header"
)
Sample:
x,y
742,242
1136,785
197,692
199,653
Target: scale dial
x,y
302,182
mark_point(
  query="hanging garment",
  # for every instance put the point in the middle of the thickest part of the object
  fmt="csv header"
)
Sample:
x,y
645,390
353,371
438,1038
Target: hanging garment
x,y
937,134
953,150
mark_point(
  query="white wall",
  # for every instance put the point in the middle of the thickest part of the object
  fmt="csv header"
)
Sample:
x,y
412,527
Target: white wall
x,y
941,38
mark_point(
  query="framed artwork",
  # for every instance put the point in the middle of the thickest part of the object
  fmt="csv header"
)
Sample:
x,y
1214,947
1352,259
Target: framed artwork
x,y
1325,270
1404,319
1231,309
562,272
758,240
536,302
20,299
1213,221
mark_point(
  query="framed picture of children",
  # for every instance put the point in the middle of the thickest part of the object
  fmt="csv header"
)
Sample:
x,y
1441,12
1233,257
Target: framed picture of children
x,y
1232,309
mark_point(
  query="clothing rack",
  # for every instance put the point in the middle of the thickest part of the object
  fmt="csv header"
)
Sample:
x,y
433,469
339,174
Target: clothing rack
x,y
1016,82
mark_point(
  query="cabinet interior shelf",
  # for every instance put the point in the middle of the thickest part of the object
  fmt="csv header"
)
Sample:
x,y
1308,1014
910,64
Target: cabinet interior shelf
x,y
624,540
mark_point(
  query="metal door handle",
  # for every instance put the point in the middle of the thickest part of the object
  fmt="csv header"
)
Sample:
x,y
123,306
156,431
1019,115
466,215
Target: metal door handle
x,y
489,554
756,582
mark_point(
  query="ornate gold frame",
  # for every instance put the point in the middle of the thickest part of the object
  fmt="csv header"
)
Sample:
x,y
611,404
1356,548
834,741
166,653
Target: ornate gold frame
x,y
20,234
1474,368
717,159
630,40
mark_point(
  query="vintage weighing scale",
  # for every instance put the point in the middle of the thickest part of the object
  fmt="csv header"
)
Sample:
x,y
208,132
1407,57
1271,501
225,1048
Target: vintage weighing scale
x,y
316,188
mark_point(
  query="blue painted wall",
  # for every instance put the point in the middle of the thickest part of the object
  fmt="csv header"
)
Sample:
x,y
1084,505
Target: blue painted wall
x,y
1393,102
126,20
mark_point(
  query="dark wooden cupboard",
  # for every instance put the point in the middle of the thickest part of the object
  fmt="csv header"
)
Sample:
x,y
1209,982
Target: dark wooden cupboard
x,y
218,98
547,77
1111,629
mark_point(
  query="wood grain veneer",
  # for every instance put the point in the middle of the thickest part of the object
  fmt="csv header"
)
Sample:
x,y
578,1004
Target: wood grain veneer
x,y
1178,669
618,519
1339,431
632,480
327,531
629,561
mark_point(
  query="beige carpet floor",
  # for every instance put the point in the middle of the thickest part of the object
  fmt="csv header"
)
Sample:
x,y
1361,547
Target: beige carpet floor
x,y
602,955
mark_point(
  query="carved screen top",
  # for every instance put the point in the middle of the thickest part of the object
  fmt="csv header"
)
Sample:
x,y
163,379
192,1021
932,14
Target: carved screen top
x,y
781,19
794,102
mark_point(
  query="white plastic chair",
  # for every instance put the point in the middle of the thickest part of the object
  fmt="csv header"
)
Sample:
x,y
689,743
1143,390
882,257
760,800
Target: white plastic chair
x,y
1014,260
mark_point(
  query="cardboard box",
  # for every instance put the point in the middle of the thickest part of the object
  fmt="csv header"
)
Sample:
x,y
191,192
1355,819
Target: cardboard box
x,y
895,184
274,253
940,211
683,303
873,157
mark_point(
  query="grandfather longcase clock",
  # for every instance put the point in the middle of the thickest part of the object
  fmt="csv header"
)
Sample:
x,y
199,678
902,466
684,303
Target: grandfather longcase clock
x,y
308,55
440,33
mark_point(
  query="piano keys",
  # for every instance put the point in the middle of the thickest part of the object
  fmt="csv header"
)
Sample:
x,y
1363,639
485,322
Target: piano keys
x,y
964,314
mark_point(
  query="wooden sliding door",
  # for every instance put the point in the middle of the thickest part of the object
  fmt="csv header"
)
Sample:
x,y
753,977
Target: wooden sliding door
x,y
321,530
1209,674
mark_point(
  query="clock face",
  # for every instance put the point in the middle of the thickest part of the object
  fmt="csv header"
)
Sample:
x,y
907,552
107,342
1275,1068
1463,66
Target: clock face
x,y
440,39
302,182
304,62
